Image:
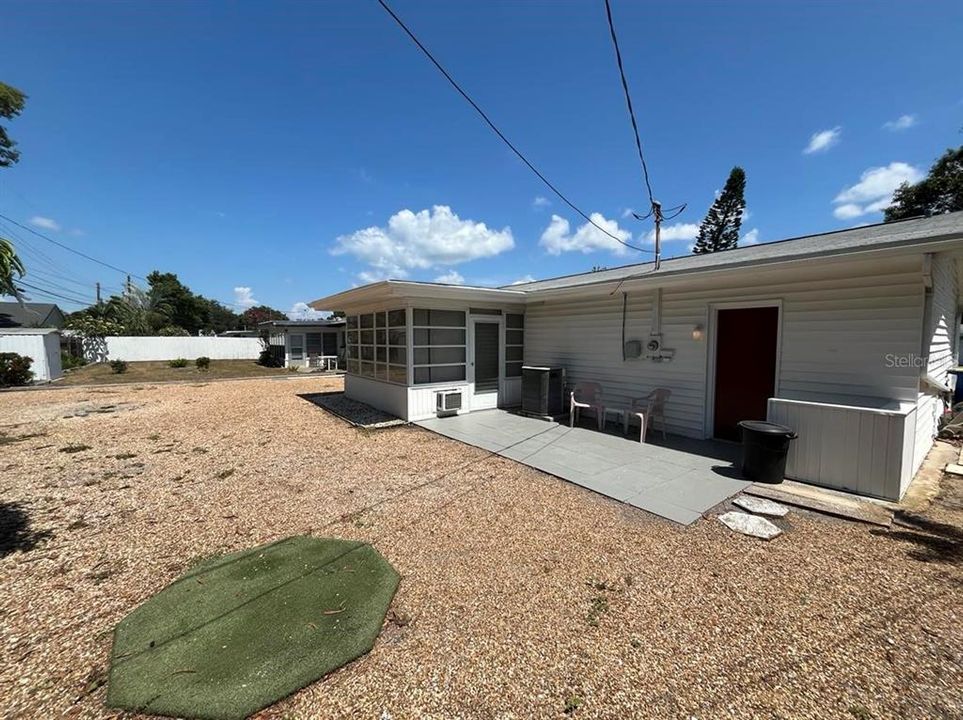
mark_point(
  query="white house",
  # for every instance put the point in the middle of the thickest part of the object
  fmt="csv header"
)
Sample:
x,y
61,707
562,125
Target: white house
x,y
307,343
845,336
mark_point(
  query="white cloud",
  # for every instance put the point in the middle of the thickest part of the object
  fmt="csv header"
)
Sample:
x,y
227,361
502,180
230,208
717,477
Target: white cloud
x,y
679,231
373,276
422,240
874,191
541,201
243,297
44,223
77,232
627,213
452,277
558,237
302,311
750,238
823,140
848,211
903,122
523,280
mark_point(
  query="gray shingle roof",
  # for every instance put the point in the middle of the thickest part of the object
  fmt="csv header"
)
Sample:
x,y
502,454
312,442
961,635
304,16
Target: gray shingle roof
x,y
863,238
30,314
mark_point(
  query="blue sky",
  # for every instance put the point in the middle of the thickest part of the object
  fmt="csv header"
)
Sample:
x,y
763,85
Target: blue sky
x,y
296,149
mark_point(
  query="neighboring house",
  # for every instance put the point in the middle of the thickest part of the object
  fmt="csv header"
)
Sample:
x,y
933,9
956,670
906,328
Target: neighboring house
x,y
31,315
846,336
307,343
42,345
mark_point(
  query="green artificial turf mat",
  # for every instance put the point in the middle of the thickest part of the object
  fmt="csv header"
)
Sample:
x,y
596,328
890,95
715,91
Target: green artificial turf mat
x,y
241,631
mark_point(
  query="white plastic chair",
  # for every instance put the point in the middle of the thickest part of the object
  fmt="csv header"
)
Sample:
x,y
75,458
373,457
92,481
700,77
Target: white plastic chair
x,y
586,395
647,410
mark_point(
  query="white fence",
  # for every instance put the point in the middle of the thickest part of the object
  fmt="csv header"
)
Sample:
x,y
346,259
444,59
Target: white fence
x,y
42,347
134,349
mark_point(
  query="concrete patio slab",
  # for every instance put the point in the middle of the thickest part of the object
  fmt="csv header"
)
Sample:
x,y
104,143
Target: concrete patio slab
x,y
678,479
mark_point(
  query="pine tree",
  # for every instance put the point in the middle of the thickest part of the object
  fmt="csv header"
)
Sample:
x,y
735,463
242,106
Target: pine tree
x,y
720,229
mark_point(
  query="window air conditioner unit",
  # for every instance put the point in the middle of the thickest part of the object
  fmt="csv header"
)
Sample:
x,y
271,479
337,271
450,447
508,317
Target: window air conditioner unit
x,y
448,401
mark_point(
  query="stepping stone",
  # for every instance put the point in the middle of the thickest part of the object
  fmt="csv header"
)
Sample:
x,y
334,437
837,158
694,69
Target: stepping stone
x,y
761,506
750,525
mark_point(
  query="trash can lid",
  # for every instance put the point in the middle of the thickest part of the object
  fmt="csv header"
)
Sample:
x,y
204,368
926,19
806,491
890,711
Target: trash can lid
x,y
766,427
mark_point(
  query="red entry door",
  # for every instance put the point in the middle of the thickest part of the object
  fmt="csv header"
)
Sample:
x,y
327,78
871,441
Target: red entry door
x,y
745,366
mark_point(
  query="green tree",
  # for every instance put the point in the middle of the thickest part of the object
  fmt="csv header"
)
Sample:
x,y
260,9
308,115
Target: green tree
x,y
184,308
218,318
941,191
11,105
140,312
720,228
93,325
10,264
253,316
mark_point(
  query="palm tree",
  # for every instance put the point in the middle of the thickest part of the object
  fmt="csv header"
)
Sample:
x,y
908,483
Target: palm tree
x,y
10,264
140,312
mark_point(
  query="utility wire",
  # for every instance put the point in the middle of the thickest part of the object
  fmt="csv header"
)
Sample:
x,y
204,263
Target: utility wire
x,y
628,102
499,133
44,291
70,249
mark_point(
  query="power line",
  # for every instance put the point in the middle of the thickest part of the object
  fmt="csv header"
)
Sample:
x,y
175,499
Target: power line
x,y
30,249
44,291
56,278
655,207
628,102
498,132
70,249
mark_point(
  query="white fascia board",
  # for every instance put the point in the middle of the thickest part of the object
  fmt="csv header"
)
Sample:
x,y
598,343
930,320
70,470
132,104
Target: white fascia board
x,y
681,277
399,290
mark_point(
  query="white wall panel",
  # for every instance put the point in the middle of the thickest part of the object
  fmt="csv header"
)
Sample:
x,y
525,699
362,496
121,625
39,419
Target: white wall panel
x,y
857,449
136,349
939,348
385,396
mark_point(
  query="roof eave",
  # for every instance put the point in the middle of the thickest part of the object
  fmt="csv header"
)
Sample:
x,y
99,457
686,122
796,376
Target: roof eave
x,y
401,289
934,244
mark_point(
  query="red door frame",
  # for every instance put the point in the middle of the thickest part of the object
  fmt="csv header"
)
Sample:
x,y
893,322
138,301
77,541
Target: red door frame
x,y
711,358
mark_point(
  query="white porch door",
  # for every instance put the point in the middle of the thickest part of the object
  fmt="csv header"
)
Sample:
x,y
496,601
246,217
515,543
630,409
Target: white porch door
x,y
485,366
295,349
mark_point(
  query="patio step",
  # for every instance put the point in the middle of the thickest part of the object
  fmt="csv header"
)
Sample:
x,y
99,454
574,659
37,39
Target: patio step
x,y
823,502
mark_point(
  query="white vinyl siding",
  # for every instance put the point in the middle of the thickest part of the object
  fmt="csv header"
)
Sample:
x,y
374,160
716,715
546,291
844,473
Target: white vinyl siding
x,y
939,347
838,324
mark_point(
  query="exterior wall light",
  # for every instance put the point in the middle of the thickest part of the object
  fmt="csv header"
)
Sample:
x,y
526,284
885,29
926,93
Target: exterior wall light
x,y
697,332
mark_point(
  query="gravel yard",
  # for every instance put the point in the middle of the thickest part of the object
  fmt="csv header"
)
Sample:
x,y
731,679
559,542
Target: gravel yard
x,y
521,595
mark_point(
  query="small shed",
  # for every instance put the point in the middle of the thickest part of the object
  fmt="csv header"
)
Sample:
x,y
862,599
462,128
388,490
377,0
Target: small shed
x,y
306,343
42,345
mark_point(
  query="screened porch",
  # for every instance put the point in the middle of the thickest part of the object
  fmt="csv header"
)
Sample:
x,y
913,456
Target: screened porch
x,y
403,356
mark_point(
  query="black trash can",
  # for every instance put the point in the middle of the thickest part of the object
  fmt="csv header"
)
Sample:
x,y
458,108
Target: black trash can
x,y
765,446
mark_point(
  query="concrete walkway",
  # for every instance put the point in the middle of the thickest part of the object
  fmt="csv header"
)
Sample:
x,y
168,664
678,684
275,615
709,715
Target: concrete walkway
x,y
679,479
